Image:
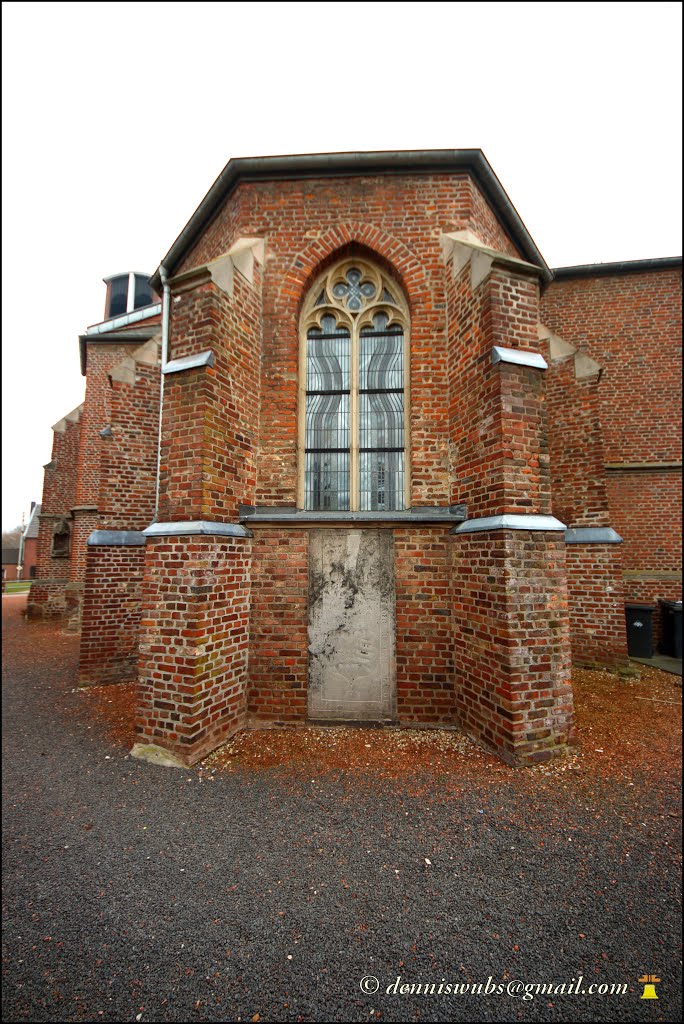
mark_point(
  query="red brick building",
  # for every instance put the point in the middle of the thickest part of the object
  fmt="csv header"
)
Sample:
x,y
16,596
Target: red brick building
x,y
403,469
28,546
10,569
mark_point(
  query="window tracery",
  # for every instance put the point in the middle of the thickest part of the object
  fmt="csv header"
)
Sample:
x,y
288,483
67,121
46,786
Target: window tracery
x,y
353,423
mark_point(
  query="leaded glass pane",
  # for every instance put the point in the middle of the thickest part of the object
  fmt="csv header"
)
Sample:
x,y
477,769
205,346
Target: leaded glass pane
x,y
327,421
327,417
382,481
381,356
381,421
381,417
327,481
327,362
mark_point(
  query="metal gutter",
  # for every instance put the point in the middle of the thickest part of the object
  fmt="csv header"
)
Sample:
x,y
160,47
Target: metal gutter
x,y
340,165
166,313
626,267
116,322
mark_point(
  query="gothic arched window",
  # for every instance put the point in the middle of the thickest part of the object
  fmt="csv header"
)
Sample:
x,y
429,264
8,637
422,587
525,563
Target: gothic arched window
x,y
354,339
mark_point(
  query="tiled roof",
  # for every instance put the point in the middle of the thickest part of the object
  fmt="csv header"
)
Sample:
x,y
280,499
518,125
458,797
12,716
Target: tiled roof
x,y
33,523
10,556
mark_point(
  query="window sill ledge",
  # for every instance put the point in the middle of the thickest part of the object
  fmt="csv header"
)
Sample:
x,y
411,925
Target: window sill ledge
x,y
290,516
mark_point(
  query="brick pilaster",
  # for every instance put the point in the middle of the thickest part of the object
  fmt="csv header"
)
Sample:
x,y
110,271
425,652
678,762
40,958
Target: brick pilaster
x,y
193,645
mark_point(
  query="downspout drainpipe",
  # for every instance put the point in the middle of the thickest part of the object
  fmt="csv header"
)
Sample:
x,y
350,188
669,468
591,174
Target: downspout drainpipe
x,y
20,563
166,313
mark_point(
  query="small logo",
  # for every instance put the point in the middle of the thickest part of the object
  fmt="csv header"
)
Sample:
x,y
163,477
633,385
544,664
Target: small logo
x,y
649,982
369,985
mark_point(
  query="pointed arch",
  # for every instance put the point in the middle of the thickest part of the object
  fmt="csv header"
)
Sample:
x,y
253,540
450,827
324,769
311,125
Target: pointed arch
x,y
388,250
353,394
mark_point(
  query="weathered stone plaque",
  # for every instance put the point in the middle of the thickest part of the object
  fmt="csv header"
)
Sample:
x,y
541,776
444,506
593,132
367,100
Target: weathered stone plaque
x,y
352,625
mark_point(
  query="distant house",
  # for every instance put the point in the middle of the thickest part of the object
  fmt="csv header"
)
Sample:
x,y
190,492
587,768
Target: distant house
x,y
10,558
28,545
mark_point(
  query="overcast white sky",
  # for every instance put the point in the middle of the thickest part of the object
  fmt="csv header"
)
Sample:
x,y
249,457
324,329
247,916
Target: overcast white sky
x,y
117,117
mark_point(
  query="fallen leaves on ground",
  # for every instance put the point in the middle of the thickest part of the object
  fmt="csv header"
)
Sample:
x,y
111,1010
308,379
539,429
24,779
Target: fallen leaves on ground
x,y
623,725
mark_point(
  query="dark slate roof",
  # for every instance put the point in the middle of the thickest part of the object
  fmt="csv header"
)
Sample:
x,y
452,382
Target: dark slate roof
x,y
33,523
10,556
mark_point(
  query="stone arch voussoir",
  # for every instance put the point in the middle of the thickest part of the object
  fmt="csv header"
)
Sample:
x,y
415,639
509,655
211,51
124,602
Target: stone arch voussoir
x,y
312,260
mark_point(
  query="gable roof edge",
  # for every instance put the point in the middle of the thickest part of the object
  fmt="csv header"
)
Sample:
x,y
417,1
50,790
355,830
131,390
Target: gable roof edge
x,y
335,165
622,267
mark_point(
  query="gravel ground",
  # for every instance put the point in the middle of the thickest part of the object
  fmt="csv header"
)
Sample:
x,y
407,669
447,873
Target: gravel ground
x,y
134,892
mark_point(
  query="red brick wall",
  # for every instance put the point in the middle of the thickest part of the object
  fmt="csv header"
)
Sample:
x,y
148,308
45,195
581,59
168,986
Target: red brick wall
x,y
406,205
278,637
511,649
111,615
278,662
511,582
60,479
597,605
483,222
83,523
576,447
30,556
631,324
424,640
497,420
397,220
579,499
76,476
47,597
128,458
195,625
193,643
646,510
102,358
211,413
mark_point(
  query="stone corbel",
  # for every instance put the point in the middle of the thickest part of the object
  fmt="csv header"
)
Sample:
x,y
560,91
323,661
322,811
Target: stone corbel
x,y
241,257
586,368
71,417
464,247
125,371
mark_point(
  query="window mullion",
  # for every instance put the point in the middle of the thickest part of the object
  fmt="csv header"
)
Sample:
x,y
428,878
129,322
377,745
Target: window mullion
x,y
354,422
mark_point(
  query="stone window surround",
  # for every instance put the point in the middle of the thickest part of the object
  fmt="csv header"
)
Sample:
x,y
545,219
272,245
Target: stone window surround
x,y
312,313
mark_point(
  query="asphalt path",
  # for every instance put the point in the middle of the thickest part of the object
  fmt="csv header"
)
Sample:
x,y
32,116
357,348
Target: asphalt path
x,y
136,892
